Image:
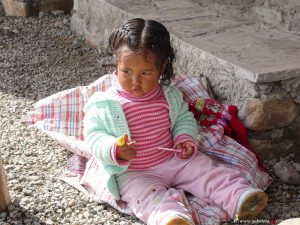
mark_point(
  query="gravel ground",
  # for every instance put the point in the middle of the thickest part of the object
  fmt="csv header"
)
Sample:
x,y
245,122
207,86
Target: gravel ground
x,y
39,57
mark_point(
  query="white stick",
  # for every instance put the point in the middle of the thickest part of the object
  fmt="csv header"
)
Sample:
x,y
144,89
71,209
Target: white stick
x,y
171,149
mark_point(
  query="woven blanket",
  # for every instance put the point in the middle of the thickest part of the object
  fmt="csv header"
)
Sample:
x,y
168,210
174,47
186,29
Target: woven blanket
x,y
61,117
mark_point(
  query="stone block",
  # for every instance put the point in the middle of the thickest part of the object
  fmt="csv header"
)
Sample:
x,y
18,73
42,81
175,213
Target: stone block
x,y
287,173
100,20
77,25
269,149
28,8
284,14
16,8
261,115
293,87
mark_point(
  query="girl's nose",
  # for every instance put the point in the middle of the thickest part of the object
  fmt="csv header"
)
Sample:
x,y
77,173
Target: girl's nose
x,y
136,79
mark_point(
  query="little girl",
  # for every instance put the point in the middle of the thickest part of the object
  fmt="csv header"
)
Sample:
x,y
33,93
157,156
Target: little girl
x,y
144,136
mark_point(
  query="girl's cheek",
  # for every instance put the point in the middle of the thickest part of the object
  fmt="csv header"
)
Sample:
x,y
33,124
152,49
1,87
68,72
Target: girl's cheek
x,y
128,83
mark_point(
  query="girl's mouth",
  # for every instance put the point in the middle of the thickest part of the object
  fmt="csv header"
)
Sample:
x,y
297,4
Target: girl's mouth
x,y
136,89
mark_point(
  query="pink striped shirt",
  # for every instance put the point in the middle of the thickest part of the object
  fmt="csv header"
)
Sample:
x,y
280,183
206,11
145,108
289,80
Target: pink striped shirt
x,y
149,125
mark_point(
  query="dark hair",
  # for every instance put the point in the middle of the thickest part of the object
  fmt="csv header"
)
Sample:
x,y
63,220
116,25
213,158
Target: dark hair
x,y
138,34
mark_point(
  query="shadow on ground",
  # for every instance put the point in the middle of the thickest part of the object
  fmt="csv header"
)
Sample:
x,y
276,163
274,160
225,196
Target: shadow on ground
x,y
40,56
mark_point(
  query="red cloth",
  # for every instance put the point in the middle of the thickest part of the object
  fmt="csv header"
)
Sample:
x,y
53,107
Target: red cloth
x,y
211,112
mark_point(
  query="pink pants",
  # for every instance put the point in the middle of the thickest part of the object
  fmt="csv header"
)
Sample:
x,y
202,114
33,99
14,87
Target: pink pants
x,y
151,193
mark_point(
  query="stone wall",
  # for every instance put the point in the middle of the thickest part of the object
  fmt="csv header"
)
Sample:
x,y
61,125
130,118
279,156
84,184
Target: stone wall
x,y
95,21
270,110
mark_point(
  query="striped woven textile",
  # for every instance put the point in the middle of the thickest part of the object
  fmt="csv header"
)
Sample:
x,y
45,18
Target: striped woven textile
x,y
60,116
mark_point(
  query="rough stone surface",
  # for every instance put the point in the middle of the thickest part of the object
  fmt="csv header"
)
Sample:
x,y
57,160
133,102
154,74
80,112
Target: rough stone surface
x,y
16,8
293,87
283,14
269,148
261,115
287,173
276,142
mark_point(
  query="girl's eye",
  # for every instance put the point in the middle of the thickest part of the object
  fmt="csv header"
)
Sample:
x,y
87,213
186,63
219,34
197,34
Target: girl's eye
x,y
125,71
146,73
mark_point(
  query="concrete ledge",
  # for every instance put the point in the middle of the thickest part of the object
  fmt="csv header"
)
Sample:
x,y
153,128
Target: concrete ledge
x,y
256,54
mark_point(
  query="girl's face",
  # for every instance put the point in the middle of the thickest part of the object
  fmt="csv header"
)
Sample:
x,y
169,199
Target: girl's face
x,y
138,73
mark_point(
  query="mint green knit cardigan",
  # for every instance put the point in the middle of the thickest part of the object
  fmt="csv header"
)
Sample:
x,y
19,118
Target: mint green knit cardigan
x,y
105,120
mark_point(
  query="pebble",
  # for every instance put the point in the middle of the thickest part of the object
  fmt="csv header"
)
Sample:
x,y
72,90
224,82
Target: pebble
x,y
297,167
3,215
58,12
38,59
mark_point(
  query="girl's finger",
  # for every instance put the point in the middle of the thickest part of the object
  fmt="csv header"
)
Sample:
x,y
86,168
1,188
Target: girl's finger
x,y
131,144
190,147
126,137
179,146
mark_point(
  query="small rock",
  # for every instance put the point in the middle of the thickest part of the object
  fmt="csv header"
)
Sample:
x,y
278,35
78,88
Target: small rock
x,y
81,217
41,14
28,221
58,12
49,222
297,167
286,173
72,202
64,221
11,207
13,214
3,215
16,201
123,223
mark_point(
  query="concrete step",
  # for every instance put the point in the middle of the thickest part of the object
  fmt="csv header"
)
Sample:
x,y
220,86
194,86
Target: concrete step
x,y
205,39
283,14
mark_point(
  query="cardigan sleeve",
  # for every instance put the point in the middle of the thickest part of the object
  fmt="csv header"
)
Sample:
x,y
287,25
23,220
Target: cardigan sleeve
x,y
184,122
104,121
98,139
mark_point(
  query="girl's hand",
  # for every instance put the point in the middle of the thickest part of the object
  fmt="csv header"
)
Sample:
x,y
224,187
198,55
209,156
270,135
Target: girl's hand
x,y
126,151
188,149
